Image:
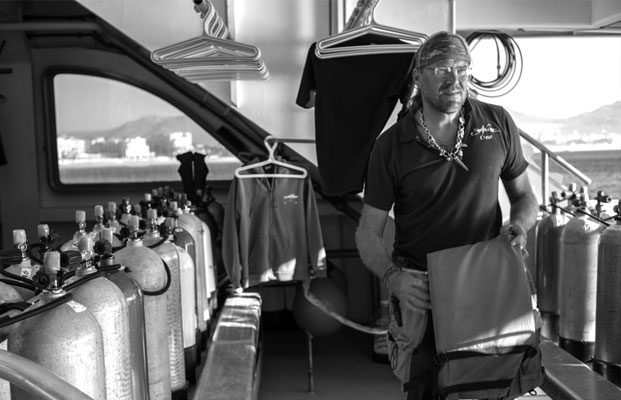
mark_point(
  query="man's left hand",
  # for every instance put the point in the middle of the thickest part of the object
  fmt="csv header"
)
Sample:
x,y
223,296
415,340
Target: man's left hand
x,y
516,233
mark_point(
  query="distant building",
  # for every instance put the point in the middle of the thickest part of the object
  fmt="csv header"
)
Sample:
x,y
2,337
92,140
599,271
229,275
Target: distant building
x,y
106,147
182,141
137,147
70,147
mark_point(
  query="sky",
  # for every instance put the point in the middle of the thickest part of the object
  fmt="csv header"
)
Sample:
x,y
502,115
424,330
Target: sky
x,y
561,77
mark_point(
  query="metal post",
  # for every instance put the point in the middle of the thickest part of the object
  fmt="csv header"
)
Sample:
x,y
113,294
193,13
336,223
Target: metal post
x,y
545,177
452,16
311,384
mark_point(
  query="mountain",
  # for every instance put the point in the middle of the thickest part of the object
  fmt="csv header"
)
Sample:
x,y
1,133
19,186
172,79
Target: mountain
x,y
603,120
606,119
151,126
522,118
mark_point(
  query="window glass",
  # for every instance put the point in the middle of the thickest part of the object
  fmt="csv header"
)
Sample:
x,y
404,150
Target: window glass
x,y
112,132
568,97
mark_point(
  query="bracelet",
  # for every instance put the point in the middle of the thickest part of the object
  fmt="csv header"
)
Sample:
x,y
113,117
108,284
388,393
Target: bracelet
x,y
389,272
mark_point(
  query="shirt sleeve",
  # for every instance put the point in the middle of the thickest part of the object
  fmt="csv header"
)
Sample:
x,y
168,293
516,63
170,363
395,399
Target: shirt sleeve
x,y
230,239
308,85
515,163
379,187
314,237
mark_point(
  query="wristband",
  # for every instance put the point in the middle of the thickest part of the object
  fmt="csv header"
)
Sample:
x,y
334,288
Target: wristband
x,y
390,272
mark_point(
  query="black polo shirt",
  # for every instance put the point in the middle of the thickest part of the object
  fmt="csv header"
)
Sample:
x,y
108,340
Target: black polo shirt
x,y
437,204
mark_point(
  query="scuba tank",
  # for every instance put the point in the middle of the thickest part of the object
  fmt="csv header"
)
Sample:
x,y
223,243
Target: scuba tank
x,y
99,221
210,269
601,198
114,225
548,267
46,239
184,240
7,295
607,358
579,241
80,219
191,333
146,267
169,253
107,303
22,272
107,265
124,211
190,224
212,213
571,196
146,204
113,222
205,235
65,339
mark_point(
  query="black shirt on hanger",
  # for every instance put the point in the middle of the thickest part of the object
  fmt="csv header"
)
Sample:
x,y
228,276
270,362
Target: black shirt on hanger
x,y
353,98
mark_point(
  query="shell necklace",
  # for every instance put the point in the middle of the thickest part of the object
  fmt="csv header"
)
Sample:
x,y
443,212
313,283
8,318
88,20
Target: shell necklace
x,y
456,153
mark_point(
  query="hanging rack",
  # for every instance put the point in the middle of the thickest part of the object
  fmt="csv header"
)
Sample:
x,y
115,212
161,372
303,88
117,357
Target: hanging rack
x,y
212,56
332,46
271,160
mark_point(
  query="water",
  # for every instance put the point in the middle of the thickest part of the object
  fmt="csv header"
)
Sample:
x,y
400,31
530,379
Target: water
x,y
602,166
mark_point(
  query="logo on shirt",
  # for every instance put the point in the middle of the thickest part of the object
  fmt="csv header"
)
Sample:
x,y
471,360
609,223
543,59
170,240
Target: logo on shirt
x,y
485,132
290,199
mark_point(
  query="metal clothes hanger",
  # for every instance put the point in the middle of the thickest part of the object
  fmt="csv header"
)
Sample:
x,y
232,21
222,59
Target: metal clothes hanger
x,y
271,148
211,56
330,47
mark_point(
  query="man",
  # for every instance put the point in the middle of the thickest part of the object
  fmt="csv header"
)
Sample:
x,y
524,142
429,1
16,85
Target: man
x,y
438,168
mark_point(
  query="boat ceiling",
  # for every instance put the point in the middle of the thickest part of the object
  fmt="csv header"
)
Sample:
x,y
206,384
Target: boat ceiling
x,y
516,17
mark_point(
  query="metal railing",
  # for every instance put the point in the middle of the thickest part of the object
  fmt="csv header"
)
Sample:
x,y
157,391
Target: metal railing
x,y
546,155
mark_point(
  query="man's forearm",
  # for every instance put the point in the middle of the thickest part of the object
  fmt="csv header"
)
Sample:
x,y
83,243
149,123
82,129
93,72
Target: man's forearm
x,y
524,211
373,252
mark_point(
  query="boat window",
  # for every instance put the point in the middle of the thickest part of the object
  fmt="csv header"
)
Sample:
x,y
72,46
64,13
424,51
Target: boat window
x,y
112,132
569,98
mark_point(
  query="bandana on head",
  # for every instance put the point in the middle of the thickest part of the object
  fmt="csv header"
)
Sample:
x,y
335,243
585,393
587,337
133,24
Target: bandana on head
x,y
442,46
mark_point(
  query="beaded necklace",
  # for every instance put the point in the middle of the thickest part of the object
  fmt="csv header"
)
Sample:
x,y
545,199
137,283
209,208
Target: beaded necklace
x,y
456,153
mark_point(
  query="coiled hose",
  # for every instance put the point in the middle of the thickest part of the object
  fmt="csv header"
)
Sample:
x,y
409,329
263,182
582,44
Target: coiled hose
x,y
509,67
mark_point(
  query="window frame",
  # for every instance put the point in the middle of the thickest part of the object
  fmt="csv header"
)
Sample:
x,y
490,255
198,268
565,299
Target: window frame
x,y
51,142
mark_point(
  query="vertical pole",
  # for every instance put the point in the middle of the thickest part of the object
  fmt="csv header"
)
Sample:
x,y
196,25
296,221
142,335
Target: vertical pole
x,y
545,177
311,384
337,16
452,16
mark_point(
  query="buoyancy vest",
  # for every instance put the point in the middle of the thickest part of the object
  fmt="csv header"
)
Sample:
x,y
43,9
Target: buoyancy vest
x,y
485,322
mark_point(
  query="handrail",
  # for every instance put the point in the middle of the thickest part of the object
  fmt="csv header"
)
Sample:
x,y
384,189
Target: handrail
x,y
35,379
546,154
567,378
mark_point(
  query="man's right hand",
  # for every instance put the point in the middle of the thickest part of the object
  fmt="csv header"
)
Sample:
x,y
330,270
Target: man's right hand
x,y
411,287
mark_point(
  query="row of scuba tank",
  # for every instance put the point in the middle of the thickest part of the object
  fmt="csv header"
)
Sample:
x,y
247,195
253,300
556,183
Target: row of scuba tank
x,y
120,311
578,278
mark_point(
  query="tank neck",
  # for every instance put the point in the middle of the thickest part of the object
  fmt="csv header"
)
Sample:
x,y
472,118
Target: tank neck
x,y
49,295
85,269
134,243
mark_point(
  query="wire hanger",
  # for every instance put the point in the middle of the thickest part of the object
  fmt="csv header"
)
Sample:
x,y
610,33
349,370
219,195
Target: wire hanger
x,y
330,47
271,148
212,56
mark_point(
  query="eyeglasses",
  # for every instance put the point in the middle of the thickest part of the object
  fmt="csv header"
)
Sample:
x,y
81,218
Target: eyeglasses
x,y
443,72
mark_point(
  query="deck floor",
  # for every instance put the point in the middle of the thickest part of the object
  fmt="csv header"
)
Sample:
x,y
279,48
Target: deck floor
x,y
343,367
